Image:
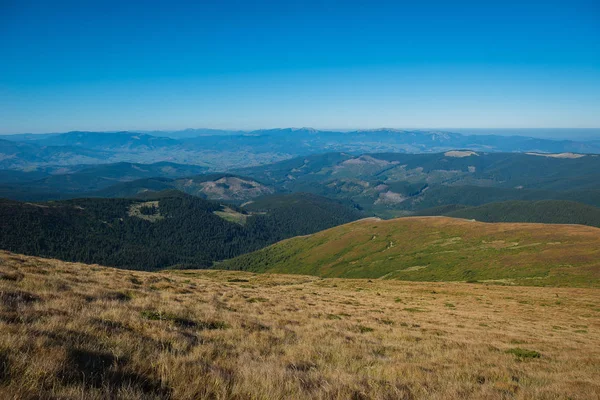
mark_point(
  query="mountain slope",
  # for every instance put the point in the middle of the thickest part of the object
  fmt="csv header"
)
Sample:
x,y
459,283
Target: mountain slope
x,y
117,232
440,195
134,188
439,249
457,168
223,187
386,182
300,213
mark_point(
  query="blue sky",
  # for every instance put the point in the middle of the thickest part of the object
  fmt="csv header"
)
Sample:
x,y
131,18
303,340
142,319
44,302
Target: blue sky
x,y
104,65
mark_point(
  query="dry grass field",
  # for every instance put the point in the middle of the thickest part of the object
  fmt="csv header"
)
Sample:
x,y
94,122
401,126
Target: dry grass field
x,y
87,332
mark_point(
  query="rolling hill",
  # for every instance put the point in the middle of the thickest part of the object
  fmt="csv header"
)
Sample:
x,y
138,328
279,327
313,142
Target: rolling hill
x,y
439,249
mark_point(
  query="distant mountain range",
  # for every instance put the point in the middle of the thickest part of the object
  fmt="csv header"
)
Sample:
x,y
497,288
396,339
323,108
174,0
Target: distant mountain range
x,y
221,150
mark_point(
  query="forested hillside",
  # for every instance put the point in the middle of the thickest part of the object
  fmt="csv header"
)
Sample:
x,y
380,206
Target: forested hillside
x,y
298,214
394,184
546,211
158,231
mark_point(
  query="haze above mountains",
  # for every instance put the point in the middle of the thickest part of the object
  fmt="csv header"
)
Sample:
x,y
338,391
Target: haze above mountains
x,y
224,150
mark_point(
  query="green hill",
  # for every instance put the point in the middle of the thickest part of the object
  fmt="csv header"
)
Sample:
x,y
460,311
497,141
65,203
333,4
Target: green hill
x,y
157,230
438,249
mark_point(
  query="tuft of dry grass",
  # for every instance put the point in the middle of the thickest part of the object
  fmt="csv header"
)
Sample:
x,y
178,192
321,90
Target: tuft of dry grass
x,y
71,330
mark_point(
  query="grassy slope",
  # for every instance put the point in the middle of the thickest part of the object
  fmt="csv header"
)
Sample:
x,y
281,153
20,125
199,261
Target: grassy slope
x,y
85,331
439,249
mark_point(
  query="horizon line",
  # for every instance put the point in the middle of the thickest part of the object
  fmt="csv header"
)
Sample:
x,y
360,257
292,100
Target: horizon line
x,y
441,129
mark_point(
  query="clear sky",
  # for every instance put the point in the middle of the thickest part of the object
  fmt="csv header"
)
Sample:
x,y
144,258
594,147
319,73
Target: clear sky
x,y
110,65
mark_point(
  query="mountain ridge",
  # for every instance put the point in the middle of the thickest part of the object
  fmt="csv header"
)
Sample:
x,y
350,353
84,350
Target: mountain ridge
x,y
230,149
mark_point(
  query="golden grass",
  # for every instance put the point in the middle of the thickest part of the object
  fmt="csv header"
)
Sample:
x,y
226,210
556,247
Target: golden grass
x,y
77,331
